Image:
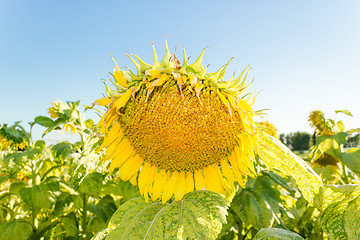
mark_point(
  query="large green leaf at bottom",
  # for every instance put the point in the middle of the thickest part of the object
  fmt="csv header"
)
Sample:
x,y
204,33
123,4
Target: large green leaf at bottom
x,y
276,156
199,215
275,234
341,211
15,230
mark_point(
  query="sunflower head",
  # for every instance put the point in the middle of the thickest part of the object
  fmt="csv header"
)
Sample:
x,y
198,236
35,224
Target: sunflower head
x,y
67,114
172,127
269,128
322,126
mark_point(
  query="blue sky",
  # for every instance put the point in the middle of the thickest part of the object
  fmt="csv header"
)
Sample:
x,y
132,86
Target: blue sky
x,y
305,55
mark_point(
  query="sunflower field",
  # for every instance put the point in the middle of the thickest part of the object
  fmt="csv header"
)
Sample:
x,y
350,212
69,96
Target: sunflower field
x,y
178,153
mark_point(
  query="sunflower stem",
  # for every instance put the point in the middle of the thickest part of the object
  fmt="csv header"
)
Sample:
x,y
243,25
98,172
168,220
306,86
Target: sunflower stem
x,y
84,212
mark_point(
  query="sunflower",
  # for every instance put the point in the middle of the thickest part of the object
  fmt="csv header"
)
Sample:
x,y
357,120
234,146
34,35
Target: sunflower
x,y
322,125
269,128
172,128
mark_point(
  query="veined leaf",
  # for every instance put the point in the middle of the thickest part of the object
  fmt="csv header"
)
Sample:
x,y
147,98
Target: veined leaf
x,y
329,144
61,150
44,121
276,156
91,184
199,215
258,203
38,196
341,211
15,230
275,234
70,225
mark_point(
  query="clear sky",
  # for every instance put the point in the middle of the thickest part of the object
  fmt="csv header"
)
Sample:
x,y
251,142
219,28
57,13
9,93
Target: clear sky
x,y
305,55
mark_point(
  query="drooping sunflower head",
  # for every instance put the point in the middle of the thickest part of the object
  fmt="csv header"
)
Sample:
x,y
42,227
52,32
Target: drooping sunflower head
x,y
322,125
172,128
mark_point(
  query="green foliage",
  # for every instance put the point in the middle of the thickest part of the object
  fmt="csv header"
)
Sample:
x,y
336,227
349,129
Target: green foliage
x,y
276,156
15,230
351,159
258,203
276,233
199,215
47,191
340,207
63,191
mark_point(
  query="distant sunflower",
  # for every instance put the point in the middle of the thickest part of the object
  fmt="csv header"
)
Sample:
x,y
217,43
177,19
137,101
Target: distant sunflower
x,y
172,128
269,128
322,125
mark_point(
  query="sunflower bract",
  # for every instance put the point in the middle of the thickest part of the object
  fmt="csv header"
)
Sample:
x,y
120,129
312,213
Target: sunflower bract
x,y
172,128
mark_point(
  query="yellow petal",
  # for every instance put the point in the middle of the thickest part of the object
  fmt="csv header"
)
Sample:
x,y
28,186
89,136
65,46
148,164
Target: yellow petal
x,y
223,99
180,187
110,117
189,183
101,121
146,193
154,73
119,78
212,180
121,159
149,187
110,136
103,101
237,174
116,148
170,187
239,164
164,77
121,101
159,184
146,176
133,180
130,167
221,178
199,180
228,173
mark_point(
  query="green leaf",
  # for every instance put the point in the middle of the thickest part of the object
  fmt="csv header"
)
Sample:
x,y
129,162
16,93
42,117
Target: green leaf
x,y
61,150
340,125
44,121
16,187
344,112
351,159
37,197
70,225
258,204
341,211
278,179
276,156
91,184
15,230
124,189
199,215
40,144
3,179
95,224
89,123
104,208
330,144
275,234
